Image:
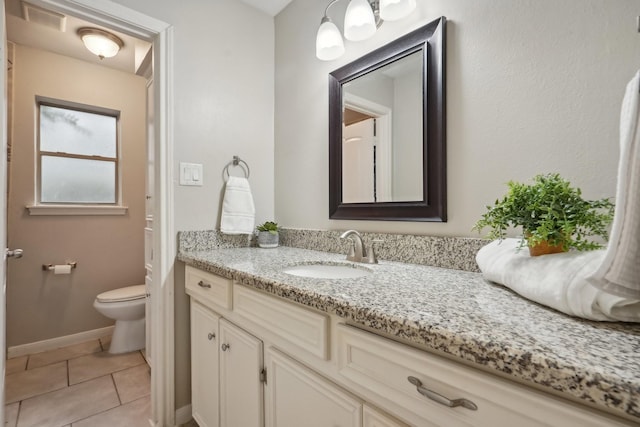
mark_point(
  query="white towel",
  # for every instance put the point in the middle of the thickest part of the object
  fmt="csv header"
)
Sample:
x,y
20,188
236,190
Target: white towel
x,y
619,272
558,281
238,211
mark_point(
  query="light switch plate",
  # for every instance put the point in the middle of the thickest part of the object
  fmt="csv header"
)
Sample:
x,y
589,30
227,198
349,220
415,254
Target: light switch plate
x,y
191,174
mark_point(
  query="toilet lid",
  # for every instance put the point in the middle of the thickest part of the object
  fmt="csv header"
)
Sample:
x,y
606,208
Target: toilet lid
x,y
123,294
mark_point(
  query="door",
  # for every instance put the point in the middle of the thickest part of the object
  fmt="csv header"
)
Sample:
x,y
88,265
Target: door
x,y
297,396
371,417
204,365
3,202
148,230
358,162
241,390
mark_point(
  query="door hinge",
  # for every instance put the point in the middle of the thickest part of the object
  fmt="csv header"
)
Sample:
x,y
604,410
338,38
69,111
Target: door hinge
x,y
263,375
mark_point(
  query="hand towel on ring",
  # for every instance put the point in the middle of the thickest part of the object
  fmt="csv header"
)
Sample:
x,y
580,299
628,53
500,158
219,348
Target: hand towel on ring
x,y
238,211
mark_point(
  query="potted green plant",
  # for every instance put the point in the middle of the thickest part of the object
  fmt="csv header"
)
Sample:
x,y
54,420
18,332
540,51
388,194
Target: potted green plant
x,y
268,236
553,215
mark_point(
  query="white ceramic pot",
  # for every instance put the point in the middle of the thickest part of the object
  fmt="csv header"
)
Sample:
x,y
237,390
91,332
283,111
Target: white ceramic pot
x,y
267,239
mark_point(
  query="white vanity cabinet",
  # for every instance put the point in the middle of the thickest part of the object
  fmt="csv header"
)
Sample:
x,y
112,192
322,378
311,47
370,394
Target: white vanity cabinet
x,y
297,397
204,365
434,391
241,366
372,417
226,364
276,363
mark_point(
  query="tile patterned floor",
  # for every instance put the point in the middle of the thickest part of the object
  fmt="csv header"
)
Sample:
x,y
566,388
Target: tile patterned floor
x,y
78,386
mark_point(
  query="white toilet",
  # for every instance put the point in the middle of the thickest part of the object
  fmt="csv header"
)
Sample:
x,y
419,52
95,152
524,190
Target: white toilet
x,y
127,307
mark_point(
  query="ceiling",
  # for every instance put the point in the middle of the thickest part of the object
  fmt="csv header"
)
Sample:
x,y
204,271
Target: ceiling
x,y
270,7
67,42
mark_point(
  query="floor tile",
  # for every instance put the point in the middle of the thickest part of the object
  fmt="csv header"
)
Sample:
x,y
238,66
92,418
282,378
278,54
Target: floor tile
x,y
98,364
11,414
48,357
25,384
16,364
133,383
133,414
70,404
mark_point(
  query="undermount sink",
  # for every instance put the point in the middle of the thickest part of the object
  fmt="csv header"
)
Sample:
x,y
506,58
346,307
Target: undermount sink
x,y
326,271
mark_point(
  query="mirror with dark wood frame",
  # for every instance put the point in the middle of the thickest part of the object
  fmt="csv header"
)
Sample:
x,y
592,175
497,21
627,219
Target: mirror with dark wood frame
x,y
387,159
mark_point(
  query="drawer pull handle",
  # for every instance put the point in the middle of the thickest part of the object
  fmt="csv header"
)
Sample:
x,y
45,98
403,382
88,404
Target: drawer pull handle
x,y
211,336
204,285
225,347
430,394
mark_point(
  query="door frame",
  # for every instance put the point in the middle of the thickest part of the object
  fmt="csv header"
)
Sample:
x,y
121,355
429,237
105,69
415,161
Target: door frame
x,y
160,34
384,149
3,206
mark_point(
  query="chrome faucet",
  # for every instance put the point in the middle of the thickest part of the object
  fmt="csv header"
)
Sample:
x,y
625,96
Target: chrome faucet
x,y
357,250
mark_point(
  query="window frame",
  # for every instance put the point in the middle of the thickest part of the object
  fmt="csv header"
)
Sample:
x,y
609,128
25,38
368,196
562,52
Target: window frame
x,y
48,208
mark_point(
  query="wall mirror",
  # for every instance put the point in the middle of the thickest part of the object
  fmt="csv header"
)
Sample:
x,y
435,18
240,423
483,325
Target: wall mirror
x,y
387,118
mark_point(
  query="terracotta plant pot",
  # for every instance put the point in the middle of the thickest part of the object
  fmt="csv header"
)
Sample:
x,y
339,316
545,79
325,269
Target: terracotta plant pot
x,y
544,248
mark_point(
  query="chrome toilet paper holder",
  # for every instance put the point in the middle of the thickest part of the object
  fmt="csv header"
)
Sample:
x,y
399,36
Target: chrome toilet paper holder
x,y
51,267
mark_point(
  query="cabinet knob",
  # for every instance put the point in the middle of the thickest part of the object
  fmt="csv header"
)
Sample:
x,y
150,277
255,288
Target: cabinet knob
x,y
204,285
225,347
211,336
436,397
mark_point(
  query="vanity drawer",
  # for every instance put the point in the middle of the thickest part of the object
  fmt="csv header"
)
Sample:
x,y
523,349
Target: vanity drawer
x,y
304,328
208,288
379,369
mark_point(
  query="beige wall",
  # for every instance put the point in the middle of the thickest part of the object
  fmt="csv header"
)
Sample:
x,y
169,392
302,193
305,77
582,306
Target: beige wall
x,y
109,250
532,87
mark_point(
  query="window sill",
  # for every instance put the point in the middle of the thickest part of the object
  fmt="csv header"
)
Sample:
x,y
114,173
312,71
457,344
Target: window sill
x,y
76,210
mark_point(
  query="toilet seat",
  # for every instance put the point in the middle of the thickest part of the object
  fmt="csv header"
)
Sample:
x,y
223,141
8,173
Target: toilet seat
x,y
128,293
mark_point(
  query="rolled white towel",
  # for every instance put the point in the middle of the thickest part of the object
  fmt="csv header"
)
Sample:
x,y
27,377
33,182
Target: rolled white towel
x,y
558,281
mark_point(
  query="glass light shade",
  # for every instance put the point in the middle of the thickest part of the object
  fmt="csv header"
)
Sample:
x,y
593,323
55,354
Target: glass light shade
x,y
392,10
329,44
100,42
359,22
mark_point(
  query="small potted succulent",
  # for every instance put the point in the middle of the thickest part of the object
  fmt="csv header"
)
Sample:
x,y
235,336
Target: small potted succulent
x,y
268,236
553,215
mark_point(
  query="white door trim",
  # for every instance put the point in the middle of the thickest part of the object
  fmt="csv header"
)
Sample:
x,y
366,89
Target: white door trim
x,y
117,17
384,149
3,205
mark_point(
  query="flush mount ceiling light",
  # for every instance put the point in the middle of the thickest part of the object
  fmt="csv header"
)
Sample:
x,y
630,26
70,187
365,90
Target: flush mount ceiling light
x,y
100,42
361,21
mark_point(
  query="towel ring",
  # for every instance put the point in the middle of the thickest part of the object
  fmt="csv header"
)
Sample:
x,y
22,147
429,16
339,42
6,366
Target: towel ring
x,y
236,162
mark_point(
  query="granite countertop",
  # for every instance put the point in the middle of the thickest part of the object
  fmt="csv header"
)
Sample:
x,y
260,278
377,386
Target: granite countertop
x,y
458,313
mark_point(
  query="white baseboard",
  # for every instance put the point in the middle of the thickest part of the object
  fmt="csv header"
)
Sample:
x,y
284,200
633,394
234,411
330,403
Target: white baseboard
x,y
183,415
53,343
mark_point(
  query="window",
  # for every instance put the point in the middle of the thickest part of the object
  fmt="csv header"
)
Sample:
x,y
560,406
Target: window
x,y
77,154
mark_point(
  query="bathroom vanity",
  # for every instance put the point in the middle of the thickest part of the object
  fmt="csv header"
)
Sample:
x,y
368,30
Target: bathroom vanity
x,y
400,345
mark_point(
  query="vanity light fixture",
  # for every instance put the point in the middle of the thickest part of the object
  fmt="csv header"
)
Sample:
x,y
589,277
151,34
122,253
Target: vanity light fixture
x,y
361,21
100,42
392,10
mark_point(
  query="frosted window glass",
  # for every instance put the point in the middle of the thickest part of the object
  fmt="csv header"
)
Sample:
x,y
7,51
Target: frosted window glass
x,y
77,132
68,180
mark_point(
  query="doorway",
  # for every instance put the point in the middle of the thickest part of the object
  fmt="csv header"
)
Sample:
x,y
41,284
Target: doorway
x,y
367,143
120,18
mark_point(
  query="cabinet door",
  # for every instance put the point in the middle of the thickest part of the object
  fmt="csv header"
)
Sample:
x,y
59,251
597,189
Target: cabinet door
x,y
204,365
297,396
241,390
371,417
